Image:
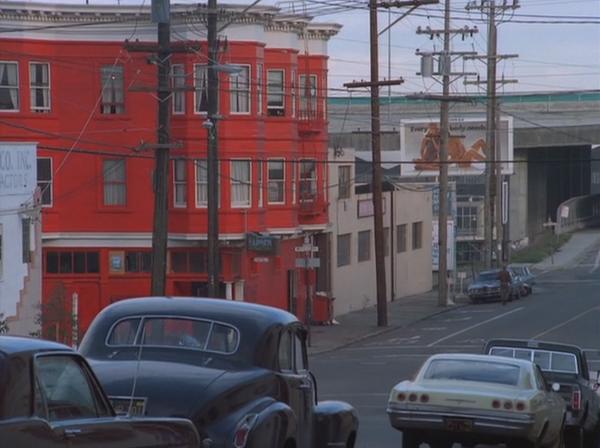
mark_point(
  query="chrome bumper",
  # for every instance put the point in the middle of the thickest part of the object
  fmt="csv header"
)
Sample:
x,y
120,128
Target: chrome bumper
x,y
502,424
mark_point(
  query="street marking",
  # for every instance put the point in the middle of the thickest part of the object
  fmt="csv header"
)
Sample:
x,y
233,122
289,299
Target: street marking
x,y
596,262
472,327
562,324
458,319
433,328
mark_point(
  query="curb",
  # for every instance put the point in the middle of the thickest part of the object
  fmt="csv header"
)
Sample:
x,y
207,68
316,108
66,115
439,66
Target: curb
x,y
386,330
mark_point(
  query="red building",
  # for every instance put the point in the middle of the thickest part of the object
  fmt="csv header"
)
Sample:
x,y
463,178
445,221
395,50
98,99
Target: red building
x,y
68,83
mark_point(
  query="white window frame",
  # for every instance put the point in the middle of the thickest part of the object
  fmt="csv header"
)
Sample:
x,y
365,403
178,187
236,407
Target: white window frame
x,y
278,93
259,88
198,183
313,181
259,181
121,183
47,182
247,202
308,104
33,88
108,90
178,182
15,87
278,181
197,90
294,166
294,83
235,91
178,81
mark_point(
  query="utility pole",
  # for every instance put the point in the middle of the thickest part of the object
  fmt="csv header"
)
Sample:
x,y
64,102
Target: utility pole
x,y
445,59
161,15
374,84
492,205
213,151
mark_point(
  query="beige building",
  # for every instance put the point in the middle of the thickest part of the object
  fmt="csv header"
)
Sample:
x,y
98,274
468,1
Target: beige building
x,y
407,242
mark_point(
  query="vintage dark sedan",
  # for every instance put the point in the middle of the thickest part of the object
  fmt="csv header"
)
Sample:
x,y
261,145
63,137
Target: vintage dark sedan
x,y
239,371
50,398
487,286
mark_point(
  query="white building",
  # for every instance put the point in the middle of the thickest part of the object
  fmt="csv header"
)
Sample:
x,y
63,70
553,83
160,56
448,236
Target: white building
x,y
20,238
407,224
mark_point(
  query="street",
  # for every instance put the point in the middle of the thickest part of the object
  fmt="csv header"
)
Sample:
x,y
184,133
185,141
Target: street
x,y
563,308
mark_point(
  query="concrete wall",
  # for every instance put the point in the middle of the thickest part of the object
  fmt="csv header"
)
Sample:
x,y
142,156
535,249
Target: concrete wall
x,y
518,199
354,285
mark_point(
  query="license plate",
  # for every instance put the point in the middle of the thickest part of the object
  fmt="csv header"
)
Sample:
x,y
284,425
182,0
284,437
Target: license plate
x,y
122,405
457,424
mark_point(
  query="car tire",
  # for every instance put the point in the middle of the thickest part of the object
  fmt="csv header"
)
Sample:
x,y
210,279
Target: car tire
x,y
410,440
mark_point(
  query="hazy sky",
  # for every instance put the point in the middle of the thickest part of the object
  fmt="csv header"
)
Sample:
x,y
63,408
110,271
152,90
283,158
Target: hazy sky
x,y
553,54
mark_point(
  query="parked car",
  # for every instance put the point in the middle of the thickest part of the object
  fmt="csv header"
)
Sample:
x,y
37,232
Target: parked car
x,y
567,366
239,371
477,399
50,398
527,277
487,286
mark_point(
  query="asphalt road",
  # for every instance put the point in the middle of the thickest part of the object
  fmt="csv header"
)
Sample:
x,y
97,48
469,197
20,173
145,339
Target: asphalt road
x,y
565,307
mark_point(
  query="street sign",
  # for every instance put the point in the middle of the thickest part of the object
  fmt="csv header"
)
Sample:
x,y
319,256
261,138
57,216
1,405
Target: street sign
x,y
306,248
308,263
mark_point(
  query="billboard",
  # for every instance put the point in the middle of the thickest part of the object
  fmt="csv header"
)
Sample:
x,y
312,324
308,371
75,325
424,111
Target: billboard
x,y
467,147
18,168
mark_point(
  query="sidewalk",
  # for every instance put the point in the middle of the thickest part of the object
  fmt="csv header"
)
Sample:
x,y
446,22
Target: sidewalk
x,y
361,324
571,252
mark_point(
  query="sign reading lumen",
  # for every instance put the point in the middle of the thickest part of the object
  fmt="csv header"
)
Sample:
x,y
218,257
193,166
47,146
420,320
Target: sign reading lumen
x,y
468,150
17,169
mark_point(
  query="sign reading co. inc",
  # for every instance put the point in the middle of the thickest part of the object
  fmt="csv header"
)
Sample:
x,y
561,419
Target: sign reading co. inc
x,y
18,167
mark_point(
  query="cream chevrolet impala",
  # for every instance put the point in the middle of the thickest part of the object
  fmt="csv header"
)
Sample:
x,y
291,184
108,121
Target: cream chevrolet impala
x,y
473,399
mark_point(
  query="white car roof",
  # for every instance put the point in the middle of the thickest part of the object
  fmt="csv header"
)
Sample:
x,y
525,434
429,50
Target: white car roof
x,y
523,363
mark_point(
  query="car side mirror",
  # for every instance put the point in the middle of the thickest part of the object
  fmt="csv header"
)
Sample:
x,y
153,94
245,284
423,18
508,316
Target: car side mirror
x,y
556,387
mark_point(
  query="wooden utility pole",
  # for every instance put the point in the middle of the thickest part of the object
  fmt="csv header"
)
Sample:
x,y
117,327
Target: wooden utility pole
x,y
492,205
377,181
213,151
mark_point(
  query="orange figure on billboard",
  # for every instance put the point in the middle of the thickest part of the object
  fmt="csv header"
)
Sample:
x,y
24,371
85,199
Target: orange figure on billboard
x,y
457,152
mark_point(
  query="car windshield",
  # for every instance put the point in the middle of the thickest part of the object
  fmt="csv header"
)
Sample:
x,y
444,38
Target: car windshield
x,y
548,361
488,277
469,370
175,332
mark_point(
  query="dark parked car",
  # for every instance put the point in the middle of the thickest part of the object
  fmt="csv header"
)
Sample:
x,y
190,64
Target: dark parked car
x,y
526,276
239,371
487,286
566,365
50,398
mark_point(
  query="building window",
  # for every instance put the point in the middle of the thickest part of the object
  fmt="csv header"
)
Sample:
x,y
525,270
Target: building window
x,y
275,93
259,181
417,235
344,249
401,238
178,83
241,183
44,179
187,261
200,88
293,93
294,171
202,183
26,239
112,90
308,95
180,183
72,262
344,182
39,86
468,252
9,86
308,180
259,88
276,181
239,90
364,245
115,182
467,220
138,261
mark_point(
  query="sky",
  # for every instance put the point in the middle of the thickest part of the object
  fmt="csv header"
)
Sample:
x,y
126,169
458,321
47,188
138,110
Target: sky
x,y
558,43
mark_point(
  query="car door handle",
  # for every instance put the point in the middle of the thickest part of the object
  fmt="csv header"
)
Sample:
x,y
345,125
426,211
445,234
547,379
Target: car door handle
x,y
71,433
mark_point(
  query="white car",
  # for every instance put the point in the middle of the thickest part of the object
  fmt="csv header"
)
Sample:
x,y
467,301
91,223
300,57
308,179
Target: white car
x,y
472,399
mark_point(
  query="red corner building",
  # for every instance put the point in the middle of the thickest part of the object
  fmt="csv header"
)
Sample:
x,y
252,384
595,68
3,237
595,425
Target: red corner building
x,y
68,82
